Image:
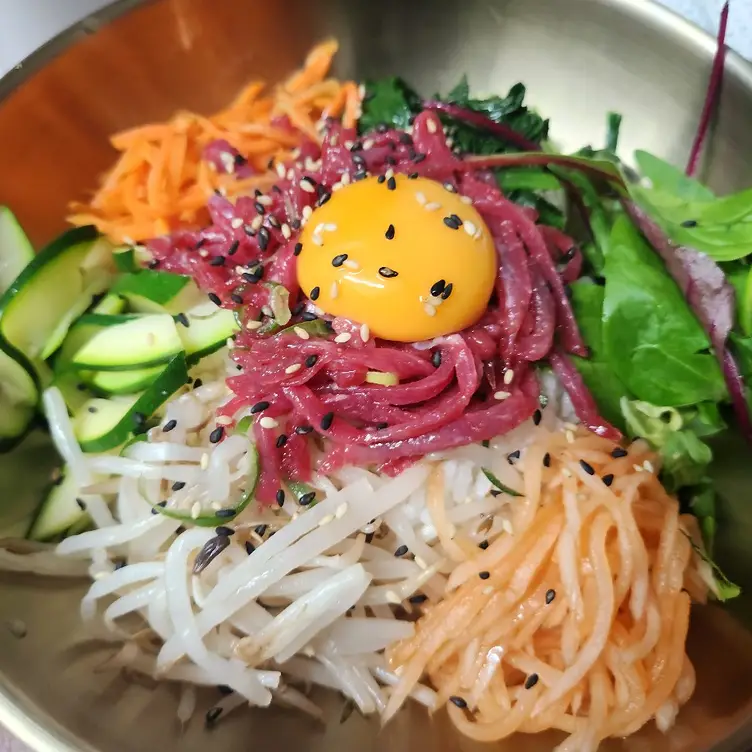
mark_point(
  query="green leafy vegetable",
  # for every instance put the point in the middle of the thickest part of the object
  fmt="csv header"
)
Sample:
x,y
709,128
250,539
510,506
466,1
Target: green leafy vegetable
x,y
612,131
741,278
389,101
724,589
666,178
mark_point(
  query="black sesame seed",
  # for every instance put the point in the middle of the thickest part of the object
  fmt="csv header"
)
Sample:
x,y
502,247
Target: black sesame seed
x,y
212,715
456,218
438,287
217,261
418,158
178,485
385,271
260,530
216,435
214,298
295,224
259,407
537,416
381,426
326,421
512,456
391,184
451,223
181,318
310,361
297,249
224,530
483,545
308,316
197,383
458,701
447,291
81,504
323,199
281,440
339,260
401,551
303,430
233,249
418,599
92,409
369,537
249,231
249,548
259,208
413,176
226,512
159,505
619,452
546,460
199,244
237,299
307,498
381,179
436,358
531,681
360,175
273,221
608,479
587,467
263,238
484,575
280,497
389,234
550,595
153,264
567,256
255,275
315,293
689,223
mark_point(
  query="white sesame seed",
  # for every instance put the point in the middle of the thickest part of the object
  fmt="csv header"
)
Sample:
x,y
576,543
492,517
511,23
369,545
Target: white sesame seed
x,y
478,235
290,174
302,333
351,264
306,185
433,206
349,144
429,309
256,222
341,510
203,253
307,211
502,395
638,468
330,227
392,597
223,420
267,422
431,125
368,143
264,200
345,179
317,239
389,173
365,332
342,338
566,472
570,437
435,300
293,368
336,186
334,290
420,197
204,461
469,228
449,187
508,377
326,520
466,199
236,222
281,169
286,231
196,510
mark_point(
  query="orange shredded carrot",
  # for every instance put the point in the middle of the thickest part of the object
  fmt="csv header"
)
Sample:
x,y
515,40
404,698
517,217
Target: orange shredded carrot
x,y
161,181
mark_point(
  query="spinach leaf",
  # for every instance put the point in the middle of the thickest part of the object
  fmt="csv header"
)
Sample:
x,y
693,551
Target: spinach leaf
x,y
668,179
685,460
389,101
740,276
650,336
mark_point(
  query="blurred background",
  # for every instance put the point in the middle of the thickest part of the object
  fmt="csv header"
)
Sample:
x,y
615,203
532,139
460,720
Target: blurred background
x,y
26,24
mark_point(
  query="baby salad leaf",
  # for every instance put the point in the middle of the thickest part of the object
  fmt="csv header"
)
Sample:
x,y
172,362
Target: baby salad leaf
x,y
389,101
650,336
741,279
721,586
666,178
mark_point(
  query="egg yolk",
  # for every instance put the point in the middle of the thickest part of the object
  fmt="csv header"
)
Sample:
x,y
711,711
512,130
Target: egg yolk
x,y
406,257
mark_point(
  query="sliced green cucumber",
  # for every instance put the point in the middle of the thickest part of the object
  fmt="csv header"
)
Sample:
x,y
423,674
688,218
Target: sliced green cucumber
x,y
16,252
82,331
137,343
53,290
58,512
104,424
75,392
19,396
109,305
120,382
149,291
206,334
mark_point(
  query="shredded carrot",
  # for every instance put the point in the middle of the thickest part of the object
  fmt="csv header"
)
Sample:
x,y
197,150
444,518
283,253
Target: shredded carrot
x,y
161,180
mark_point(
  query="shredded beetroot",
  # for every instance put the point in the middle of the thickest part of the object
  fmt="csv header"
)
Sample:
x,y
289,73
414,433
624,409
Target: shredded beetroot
x,y
317,389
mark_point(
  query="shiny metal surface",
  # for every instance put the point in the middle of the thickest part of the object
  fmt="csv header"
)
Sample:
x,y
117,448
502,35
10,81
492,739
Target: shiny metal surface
x,y
579,58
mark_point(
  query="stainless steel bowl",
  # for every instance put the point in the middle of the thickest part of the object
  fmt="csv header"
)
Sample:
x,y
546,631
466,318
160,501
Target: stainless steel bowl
x,y
579,58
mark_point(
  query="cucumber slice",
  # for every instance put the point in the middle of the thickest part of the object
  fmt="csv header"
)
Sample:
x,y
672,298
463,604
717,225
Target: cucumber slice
x,y
113,421
19,396
16,251
136,343
150,291
58,512
206,334
120,382
54,290
109,305
82,331
75,392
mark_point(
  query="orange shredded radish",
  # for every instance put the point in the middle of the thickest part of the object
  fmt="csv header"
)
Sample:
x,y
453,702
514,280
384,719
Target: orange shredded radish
x,y
161,181
576,620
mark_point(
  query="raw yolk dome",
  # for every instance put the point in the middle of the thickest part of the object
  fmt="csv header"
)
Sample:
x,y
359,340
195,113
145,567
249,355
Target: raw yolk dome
x,y
407,257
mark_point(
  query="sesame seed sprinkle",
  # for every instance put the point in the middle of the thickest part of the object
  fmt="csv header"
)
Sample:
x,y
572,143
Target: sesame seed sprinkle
x,y
317,239
388,273
420,198
531,681
501,395
619,452
334,290
460,702
401,551
343,337
251,325
648,465
339,260
267,422
302,333
236,222
167,427
204,461
550,595
341,510
587,467
326,520
433,206
315,293
469,228
508,376
281,171
389,234
608,480
310,361
431,125
196,510
216,435
351,264
429,309
365,332
293,368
